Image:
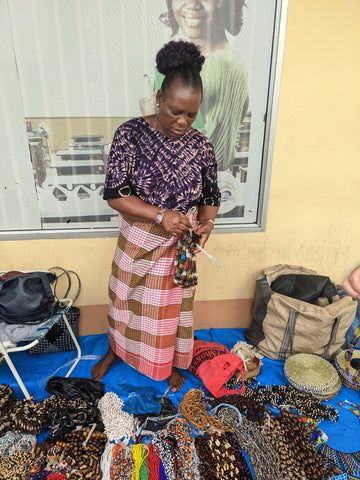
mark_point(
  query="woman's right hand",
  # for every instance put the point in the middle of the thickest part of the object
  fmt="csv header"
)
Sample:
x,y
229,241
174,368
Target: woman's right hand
x,y
175,223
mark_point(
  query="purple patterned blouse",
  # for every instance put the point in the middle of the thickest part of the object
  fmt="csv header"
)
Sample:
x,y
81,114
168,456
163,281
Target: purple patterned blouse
x,y
173,174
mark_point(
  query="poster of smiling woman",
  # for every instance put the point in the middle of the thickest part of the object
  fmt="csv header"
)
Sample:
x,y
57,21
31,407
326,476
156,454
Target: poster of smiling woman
x,y
76,70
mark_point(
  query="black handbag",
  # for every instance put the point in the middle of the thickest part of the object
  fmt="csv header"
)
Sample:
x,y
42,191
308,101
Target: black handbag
x,y
26,297
58,339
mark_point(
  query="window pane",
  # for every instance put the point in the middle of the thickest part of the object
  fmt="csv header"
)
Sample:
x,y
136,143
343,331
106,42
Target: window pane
x,y
82,70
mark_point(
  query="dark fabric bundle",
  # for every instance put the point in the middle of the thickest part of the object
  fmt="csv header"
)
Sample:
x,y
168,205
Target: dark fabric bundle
x,y
75,387
308,288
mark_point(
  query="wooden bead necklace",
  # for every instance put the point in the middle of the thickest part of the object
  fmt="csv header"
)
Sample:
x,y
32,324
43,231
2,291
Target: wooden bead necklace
x,y
251,408
254,442
16,466
283,395
217,457
194,410
297,457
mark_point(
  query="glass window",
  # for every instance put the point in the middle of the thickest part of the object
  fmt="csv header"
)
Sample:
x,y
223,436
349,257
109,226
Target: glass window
x,y
73,71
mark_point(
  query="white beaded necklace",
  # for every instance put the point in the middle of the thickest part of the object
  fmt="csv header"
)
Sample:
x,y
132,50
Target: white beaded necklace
x,y
120,426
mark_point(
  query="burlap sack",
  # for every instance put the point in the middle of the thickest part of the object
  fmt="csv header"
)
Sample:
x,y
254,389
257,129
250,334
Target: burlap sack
x,y
283,325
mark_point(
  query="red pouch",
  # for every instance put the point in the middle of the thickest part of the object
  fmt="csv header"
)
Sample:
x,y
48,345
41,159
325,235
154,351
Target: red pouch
x,y
215,373
203,351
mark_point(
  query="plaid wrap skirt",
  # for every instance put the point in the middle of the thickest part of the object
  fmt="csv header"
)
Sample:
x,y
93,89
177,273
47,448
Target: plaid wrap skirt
x,y
150,322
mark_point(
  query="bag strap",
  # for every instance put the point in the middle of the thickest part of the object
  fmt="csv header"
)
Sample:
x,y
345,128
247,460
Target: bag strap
x,y
332,337
68,273
48,291
288,334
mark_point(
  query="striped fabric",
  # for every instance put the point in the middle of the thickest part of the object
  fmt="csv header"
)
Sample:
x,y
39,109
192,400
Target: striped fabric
x,y
150,322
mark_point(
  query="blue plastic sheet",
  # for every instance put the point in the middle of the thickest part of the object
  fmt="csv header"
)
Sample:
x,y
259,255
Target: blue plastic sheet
x,y
344,435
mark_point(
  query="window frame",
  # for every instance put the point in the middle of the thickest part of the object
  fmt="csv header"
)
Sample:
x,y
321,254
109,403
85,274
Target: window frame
x,y
266,163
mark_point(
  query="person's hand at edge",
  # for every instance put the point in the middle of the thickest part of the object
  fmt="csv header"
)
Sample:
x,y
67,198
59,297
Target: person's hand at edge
x,y
351,283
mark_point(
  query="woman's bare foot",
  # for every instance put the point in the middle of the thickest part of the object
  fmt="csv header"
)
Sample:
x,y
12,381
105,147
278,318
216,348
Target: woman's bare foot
x,y
102,366
176,380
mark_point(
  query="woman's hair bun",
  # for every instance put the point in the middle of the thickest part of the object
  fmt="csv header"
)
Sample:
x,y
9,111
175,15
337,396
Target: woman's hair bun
x,y
179,54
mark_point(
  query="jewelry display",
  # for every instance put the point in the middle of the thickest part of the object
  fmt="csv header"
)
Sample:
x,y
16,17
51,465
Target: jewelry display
x,y
28,416
349,406
254,442
297,457
218,458
185,458
153,463
12,441
139,452
194,410
122,463
282,395
194,444
119,425
346,462
252,409
16,466
165,446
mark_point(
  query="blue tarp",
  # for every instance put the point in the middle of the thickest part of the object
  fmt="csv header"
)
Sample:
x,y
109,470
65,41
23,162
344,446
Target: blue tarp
x,y
344,435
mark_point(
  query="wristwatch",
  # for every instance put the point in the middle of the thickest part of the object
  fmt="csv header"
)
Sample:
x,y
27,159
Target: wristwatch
x,y
159,216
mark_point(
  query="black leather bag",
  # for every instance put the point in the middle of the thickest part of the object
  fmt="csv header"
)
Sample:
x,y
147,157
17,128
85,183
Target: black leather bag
x,y
26,297
58,339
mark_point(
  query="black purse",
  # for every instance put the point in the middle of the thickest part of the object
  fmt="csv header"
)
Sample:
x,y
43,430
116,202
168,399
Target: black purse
x,y
58,339
26,297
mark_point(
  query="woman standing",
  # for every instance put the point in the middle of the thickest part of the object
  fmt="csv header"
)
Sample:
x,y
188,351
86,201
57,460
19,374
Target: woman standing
x,y
159,169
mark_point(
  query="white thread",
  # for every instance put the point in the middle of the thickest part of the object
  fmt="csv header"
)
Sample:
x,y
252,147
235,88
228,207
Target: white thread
x,y
83,357
215,260
105,462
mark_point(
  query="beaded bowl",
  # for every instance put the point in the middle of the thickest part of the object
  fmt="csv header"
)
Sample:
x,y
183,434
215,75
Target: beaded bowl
x,y
348,376
312,374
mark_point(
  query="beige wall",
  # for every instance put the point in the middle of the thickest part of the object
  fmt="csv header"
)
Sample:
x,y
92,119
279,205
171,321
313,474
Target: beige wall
x,y
314,204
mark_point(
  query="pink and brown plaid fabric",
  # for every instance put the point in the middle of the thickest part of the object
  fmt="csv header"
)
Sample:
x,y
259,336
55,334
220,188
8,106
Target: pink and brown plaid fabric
x,y
150,319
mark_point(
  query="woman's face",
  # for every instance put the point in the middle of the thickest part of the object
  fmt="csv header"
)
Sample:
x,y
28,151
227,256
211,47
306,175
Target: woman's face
x,y
178,109
196,18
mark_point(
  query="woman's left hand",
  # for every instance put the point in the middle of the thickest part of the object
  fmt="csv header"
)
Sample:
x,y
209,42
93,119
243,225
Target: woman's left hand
x,y
204,230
